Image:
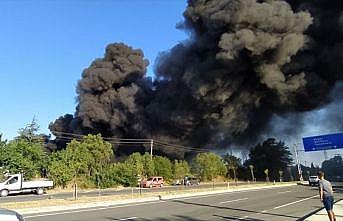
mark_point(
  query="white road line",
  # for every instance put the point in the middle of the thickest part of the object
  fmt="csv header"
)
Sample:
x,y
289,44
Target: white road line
x,y
129,218
298,201
242,218
230,201
248,217
288,191
94,209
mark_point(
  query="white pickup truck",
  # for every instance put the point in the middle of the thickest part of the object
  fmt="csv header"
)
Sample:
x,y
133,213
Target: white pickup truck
x,y
15,184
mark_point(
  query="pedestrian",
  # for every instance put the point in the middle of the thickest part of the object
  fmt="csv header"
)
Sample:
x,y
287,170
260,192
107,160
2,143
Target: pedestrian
x,y
326,195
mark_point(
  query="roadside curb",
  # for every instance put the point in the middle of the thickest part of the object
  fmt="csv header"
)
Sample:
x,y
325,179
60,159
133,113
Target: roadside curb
x,y
104,204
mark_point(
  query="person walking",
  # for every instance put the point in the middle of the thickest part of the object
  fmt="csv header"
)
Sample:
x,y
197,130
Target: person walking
x,y
326,195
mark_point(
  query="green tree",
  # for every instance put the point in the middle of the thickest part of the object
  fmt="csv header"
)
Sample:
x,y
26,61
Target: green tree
x,y
60,169
272,155
88,157
181,169
148,164
141,166
209,166
30,132
23,156
136,164
163,167
100,152
333,167
79,157
85,159
2,142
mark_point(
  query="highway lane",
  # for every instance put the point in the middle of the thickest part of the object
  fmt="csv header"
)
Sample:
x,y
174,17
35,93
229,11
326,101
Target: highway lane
x,y
277,204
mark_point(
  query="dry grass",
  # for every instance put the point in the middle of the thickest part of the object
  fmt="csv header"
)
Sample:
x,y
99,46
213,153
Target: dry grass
x,y
70,189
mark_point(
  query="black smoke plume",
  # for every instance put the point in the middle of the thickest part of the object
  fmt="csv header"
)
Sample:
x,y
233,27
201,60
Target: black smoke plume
x,y
245,61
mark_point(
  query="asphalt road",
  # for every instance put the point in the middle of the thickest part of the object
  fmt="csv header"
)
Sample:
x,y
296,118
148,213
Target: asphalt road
x,y
277,204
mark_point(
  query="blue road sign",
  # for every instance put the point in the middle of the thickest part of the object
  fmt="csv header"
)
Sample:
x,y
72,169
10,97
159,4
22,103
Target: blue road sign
x,y
323,142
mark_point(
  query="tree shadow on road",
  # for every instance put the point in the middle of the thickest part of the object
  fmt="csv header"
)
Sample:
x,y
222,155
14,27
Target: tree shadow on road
x,y
235,218
304,197
186,218
236,209
176,218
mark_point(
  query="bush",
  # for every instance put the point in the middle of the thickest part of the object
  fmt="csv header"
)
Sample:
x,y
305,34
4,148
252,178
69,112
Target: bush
x,y
84,182
125,175
110,177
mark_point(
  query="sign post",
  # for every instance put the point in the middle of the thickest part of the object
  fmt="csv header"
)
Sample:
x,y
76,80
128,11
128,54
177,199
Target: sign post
x,y
298,163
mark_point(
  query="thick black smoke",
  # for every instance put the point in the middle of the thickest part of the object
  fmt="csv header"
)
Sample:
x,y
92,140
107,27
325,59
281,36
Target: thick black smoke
x,y
112,95
245,61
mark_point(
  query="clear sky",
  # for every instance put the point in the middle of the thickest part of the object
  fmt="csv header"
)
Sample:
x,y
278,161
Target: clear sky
x,y
45,45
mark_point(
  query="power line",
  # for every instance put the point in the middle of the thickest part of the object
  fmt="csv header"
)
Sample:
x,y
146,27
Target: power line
x,y
112,142
180,146
108,138
177,149
126,141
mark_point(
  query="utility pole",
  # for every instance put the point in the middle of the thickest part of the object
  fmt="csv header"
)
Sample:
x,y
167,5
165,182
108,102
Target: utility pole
x,y
151,146
298,163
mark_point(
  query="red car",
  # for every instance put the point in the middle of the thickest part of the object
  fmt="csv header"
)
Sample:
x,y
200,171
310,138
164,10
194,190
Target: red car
x,y
153,182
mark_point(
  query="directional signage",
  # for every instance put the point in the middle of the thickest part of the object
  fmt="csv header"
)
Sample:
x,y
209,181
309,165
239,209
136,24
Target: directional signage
x,y
323,142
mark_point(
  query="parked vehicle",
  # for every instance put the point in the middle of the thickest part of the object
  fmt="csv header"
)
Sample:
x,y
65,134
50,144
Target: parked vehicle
x,y
155,181
178,182
313,180
191,181
15,184
9,215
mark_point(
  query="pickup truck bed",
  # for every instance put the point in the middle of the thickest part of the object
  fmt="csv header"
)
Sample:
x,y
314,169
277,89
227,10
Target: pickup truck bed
x,y
38,183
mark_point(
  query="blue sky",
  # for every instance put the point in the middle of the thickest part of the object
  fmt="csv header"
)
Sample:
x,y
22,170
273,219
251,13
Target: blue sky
x,y
45,45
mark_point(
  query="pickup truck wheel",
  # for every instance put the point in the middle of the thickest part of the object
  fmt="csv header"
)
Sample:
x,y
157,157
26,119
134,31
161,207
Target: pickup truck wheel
x,y
4,193
39,191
